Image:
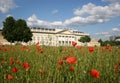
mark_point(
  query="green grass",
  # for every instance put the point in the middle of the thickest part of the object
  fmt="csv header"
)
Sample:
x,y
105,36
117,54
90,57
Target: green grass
x,y
48,62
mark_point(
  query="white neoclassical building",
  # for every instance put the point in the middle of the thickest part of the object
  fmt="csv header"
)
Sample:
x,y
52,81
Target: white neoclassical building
x,y
56,36
51,36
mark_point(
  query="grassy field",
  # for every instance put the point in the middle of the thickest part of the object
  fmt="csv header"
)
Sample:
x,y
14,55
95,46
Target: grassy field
x,y
43,64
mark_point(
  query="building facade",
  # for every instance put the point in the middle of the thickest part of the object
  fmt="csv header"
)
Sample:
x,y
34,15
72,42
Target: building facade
x,y
93,42
51,37
55,37
2,40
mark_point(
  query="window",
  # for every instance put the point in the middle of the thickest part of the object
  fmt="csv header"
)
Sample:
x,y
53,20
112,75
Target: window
x,y
59,42
38,38
33,38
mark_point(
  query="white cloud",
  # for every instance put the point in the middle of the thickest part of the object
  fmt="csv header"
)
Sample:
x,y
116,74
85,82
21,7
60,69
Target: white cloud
x,y
80,21
56,23
103,12
115,29
85,9
105,35
94,14
89,14
102,33
6,5
34,21
55,11
111,1
8,15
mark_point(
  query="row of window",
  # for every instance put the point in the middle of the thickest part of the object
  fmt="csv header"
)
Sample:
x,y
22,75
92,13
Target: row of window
x,y
47,41
60,43
40,38
77,32
60,38
65,43
44,29
67,36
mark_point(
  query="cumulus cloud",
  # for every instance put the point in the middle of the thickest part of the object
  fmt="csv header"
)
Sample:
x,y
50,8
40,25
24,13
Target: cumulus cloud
x,y
56,23
8,15
94,14
88,14
34,21
111,1
6,5
97,14
80,21
115,31
102,33
55,11
104,12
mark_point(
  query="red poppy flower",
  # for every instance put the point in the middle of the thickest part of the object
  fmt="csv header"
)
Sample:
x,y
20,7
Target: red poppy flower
x,y
38,48
11,62
11,58
9,77
74,43
79,47
3,61
117,72
119,63
3,45
65,57
41,51
25,65
91,49
95,73
60,62
23,48
71,68
108,47
17,61
15,70
116,67
37,43
71,60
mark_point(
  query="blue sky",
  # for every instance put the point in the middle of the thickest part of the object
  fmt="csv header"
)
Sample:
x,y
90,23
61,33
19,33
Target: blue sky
x,y
99,18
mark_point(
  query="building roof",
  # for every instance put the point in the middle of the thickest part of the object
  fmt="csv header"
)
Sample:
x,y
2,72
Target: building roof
x,y
56,31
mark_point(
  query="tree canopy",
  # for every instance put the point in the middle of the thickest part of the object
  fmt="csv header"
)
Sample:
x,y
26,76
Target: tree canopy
x,y
16,30
8,29
84,39
109,42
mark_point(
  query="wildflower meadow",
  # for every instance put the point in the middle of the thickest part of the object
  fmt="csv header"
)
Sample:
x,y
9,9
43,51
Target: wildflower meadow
x,y
62,64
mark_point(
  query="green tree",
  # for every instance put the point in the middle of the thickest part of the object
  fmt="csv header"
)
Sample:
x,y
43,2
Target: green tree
x,y
84,39
22,31
16,30
8,29
101,42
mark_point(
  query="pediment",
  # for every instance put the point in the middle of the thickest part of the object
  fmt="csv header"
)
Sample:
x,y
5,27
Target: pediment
x,y
66,32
